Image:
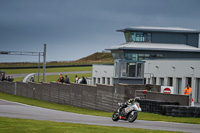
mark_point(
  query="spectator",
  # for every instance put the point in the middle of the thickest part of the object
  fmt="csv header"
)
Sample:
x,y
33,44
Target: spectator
x,y
79,80
3,77
59,78
83,81
9,79
12,79
76,79
62,79
32,79
188,90
67,79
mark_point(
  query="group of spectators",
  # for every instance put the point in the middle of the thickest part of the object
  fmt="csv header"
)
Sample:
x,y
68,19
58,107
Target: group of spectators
x,y
80,80
8,78
61,79
66,80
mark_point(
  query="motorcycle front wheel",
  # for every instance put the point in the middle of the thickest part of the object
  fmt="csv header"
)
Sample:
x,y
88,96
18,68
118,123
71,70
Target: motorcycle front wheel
x,y
115,116
132,116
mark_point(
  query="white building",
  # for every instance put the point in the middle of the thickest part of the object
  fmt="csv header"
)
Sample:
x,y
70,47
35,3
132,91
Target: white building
x,y
155,55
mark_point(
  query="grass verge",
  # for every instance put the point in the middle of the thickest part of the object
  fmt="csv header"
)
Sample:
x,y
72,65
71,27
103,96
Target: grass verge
x,y
9,125
68,108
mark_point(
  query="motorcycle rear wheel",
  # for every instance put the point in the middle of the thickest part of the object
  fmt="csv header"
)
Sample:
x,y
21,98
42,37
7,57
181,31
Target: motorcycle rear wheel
x,y
132,116
115,116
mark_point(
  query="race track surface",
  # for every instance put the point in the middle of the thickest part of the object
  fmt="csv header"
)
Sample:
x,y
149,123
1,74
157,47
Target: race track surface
x,y
49,73
17,110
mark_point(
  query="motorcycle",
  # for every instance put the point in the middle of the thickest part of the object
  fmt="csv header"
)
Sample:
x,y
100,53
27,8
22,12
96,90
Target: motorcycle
x,y
127,111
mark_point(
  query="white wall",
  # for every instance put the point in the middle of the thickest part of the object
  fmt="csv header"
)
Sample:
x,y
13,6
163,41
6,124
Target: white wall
x,y
181,69
100,71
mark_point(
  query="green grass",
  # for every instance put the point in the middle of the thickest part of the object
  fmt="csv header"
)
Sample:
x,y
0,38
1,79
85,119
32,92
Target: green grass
x,y
9,125
35,70
54,78
68,108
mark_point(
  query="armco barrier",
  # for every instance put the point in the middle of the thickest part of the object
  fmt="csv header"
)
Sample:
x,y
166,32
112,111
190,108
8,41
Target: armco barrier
x,y
99,97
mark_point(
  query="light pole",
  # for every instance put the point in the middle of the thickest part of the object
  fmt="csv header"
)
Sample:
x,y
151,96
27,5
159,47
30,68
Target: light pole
x,y
30,54
44,62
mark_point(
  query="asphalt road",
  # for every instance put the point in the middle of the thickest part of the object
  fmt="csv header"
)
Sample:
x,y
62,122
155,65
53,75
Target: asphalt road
x,y
17,110
50,73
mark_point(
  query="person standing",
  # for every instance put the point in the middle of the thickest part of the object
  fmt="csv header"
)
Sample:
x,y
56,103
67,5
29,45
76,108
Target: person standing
x,y
32,79
83,81
76,79
67,79
59,78
188,90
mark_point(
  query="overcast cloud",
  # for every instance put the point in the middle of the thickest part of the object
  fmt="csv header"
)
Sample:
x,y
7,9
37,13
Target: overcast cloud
x,y
73,29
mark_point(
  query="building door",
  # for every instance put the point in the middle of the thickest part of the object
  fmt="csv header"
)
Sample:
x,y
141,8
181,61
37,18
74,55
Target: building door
x,y
162,81
179,85
170,81
189,81
197,91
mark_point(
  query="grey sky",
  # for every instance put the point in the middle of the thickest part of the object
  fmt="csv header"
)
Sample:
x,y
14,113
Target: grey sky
x,y
73,29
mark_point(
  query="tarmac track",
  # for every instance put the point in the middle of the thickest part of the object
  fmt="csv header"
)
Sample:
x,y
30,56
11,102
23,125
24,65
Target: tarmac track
x,y
50,73
17,110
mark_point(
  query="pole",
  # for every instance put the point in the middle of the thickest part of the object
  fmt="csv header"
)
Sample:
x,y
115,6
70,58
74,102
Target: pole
x,y
44,62
39,67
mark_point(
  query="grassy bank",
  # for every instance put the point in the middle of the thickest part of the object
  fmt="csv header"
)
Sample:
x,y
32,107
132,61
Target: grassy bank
x,y
9,125
68,108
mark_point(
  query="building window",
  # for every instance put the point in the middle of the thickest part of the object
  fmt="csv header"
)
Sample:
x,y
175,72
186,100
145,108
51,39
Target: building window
x,y
137,36
188,81
170,81
128,36
136,57
94,81
162,81
103,80
179,85
98,80
131,56
129,69
139,69
117,54
108,81
153,80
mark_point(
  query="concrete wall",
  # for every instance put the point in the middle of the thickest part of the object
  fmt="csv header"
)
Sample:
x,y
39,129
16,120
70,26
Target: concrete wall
x,y
99,97
181,99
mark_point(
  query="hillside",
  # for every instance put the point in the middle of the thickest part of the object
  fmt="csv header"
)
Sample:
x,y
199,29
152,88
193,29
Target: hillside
x,y
98,57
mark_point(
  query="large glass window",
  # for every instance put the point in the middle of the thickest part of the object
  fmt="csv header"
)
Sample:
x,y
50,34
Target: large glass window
x,y
139,57
129,69
128,36
131,56
118,54
137,36
123,69
139,69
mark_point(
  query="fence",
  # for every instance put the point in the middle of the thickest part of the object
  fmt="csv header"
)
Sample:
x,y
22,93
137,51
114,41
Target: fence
x,y
99,97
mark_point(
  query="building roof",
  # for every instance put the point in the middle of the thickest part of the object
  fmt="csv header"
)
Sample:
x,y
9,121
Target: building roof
x,y
160,29
154,47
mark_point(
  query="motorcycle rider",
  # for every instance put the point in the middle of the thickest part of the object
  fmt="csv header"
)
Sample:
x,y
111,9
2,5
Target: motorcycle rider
x,y
129,102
